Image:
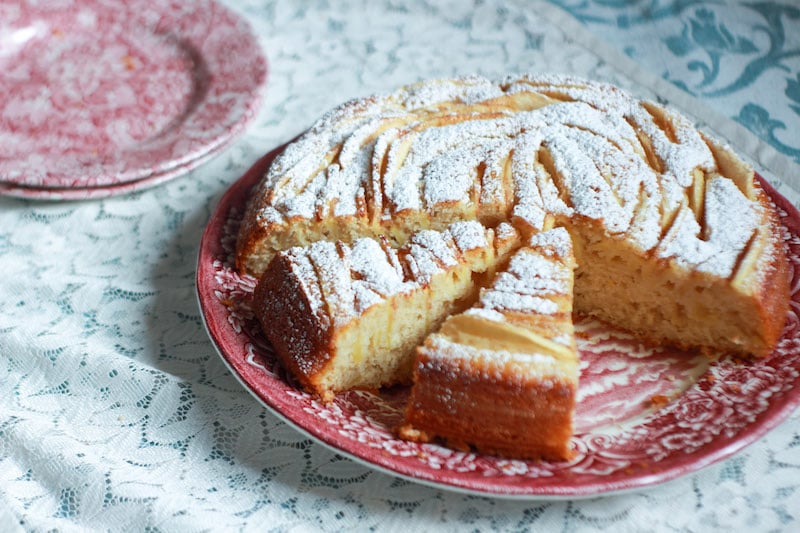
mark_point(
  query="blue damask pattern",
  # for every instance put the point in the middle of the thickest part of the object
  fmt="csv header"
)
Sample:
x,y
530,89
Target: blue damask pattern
x,y
718,51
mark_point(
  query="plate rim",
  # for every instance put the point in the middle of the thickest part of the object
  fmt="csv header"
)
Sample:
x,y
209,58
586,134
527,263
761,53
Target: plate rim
x,y
702,458
70,194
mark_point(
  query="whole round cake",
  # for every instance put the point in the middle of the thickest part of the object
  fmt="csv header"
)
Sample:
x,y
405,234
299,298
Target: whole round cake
x,y
443,235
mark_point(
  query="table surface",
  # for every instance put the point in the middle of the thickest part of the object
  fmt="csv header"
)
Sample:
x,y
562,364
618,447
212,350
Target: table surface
x,y
116,413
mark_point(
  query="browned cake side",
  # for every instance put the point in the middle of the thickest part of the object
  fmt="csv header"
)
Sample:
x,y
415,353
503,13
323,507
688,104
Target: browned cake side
x,y
491,408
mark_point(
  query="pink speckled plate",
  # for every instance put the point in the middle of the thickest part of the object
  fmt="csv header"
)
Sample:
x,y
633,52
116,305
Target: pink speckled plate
x,y
93,193
624,439
99,95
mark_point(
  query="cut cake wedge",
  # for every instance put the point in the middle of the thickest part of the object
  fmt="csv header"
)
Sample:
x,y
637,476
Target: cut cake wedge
x,y
344,317
502,376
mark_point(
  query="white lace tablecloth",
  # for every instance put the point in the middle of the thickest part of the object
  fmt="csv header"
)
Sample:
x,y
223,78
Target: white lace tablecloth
x,y
116,413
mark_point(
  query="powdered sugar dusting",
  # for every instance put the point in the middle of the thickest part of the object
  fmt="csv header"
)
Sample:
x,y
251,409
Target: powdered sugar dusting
x,y
430,252
343,281
468,89
372,267
302,268
554,243
469,235
514,301
727,234
730,221
535,280
487,365
534,277
631,166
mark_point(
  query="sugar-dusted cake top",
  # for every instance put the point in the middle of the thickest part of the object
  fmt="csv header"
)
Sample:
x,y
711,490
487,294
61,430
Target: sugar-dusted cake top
x,y
346,280
525,149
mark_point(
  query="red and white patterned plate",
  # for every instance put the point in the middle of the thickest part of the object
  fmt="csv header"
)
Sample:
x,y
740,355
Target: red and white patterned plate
x,y
644,415
93,193
100,94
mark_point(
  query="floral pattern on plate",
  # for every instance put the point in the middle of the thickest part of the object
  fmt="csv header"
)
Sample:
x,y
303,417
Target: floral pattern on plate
x,y
645,414
101,94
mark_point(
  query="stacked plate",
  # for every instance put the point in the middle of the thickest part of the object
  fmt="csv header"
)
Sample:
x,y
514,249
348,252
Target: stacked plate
x,y
103,98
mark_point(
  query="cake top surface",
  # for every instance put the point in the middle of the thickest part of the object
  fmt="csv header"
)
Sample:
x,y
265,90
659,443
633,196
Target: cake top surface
x,y
523,318
538,146
346,280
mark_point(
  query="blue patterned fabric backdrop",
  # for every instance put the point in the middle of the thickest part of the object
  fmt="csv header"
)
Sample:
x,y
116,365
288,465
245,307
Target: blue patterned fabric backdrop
x,y
726,53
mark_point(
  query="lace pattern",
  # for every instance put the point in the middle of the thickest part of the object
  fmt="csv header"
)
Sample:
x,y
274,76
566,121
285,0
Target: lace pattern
x,y
117,413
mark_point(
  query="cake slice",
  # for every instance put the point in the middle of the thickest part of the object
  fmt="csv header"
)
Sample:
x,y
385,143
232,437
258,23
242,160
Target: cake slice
x,y
502,376
344,317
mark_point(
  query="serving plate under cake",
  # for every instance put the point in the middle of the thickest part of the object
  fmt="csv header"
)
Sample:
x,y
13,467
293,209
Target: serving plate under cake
x,y
645,414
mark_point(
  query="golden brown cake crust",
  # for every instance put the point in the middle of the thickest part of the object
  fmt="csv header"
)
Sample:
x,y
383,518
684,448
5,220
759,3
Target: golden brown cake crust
x,y
299,336
344,316
774,289
535,421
